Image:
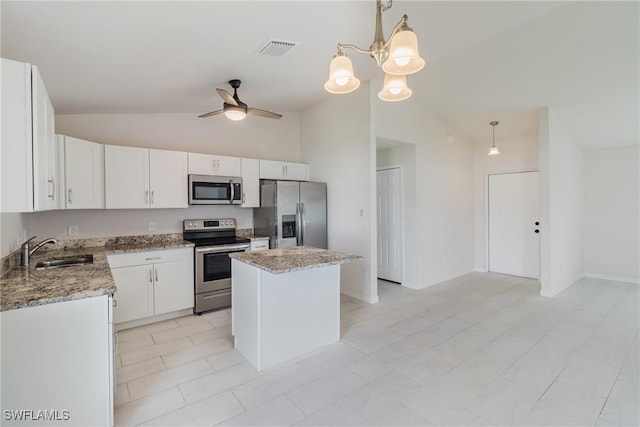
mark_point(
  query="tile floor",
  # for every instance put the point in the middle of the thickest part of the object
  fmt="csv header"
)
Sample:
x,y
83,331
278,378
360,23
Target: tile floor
x,y
482,349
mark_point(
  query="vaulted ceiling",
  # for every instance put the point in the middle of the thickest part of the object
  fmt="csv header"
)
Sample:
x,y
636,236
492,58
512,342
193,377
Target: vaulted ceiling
x,y
485,60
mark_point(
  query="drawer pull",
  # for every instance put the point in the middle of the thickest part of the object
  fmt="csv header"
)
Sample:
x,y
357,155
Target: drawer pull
x,y
152,258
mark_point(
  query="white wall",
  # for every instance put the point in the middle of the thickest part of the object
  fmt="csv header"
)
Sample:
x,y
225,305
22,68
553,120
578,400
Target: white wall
x,y
405,156
612,213
12,228
517,154
561,206
255,137
444,189
127,222
336,142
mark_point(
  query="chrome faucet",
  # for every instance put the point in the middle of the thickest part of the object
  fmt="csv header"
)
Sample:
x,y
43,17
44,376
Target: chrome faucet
x,y
26,252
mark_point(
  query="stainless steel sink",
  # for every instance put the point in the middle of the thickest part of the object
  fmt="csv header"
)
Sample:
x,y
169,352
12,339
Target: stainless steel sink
x,y
65,262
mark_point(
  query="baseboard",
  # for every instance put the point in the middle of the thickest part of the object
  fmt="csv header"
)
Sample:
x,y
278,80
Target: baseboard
x,y
545,293
153,319
441,279
360,296
623,279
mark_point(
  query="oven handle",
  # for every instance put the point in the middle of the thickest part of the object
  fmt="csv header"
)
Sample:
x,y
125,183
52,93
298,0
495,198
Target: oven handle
x,y
218,249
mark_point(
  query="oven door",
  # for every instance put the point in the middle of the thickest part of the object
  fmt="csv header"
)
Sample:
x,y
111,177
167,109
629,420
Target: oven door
x,y
213,267
214,190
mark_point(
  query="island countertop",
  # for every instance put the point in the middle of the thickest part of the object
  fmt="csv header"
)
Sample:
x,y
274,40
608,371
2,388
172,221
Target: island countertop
x,y
287,260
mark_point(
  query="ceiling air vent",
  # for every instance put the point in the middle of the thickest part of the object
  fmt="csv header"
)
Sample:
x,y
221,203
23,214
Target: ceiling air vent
x,y
276,47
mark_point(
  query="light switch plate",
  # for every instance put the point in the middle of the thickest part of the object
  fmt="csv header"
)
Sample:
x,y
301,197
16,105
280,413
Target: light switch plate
x,y
72,230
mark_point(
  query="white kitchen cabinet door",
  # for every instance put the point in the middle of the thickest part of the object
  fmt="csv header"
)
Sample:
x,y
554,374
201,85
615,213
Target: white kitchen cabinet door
x,y
45,153
206,164
173,285
83,173
250,183
58,357
17,149
126,172
270,169
168,179
134,292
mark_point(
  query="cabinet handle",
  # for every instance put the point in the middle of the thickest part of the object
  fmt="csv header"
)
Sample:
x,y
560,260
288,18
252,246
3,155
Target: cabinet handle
x,y
152,258
152,192
150,276
286,169
146,197
70,195
156,274
52,181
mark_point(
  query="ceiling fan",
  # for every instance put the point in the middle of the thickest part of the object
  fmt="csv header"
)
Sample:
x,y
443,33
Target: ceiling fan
x,y
235,109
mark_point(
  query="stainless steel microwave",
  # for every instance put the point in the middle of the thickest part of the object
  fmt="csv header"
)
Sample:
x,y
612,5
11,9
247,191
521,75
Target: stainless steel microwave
x,y
215,190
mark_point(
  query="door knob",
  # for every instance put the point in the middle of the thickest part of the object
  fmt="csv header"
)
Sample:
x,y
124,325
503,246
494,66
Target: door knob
x,y
537,223
536,231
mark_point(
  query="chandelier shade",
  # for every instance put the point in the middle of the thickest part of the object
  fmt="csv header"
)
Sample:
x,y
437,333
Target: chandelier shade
x,y
341,77
395,88
404,57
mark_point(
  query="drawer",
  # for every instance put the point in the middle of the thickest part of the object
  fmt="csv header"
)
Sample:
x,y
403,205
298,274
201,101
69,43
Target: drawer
x,y
212,301
149,257
259,245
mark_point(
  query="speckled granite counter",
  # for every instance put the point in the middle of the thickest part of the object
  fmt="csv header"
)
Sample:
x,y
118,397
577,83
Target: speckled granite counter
x,y
248,233
27,286
286,260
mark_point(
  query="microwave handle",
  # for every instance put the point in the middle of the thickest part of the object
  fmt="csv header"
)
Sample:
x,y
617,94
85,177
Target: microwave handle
x,y
298,220
232,191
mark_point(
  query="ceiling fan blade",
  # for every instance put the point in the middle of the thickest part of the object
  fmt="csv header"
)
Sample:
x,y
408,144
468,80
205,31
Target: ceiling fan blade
x,y
263,113
213,113
226,97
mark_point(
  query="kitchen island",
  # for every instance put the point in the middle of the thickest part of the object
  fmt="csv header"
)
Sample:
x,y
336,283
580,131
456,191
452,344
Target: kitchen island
x,y
286,302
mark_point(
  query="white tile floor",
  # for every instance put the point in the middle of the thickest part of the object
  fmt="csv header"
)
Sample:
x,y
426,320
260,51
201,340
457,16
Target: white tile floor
x,y
482,349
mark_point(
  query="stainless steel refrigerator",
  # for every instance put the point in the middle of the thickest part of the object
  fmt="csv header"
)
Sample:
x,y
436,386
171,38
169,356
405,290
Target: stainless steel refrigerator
x,y
292,213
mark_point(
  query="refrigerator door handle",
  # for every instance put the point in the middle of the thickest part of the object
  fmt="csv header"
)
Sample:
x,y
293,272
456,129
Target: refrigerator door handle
x,y
298,220
302,223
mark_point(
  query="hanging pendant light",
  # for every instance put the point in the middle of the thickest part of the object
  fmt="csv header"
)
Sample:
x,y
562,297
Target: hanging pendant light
x,y
493,151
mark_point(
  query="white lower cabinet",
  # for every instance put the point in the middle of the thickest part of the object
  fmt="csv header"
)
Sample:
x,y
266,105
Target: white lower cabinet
x,y
152,283
58,358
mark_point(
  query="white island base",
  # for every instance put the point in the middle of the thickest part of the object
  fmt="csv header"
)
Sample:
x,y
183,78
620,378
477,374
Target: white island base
x,y
276,317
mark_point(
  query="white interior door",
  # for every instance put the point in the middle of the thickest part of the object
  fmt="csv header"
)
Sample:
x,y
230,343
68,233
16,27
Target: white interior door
x,y
390,239
514,243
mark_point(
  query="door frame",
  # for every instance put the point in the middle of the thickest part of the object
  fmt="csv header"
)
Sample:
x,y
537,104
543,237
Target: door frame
x,y
402,222
486,210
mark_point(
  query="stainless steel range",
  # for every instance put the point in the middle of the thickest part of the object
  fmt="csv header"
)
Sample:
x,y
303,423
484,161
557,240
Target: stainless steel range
x,y
214,240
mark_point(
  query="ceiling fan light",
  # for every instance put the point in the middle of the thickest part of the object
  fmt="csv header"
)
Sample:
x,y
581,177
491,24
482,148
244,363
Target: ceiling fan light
x,y
235,113
404,57
395,88
341,77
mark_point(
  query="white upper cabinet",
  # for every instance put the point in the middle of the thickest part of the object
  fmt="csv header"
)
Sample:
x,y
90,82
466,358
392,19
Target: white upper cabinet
x,y
143,178
205,164
45,154
168,179
29,158
82,177
250,183
284,170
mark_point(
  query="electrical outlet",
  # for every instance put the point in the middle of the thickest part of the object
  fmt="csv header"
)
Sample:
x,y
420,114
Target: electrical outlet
x,y
72,230
151,226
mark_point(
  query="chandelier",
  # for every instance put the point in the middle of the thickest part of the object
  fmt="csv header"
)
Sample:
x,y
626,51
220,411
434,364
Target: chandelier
x,y
397,57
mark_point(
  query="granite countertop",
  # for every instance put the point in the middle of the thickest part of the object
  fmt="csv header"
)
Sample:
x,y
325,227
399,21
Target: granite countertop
x,y
287,260
248,233
27,286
